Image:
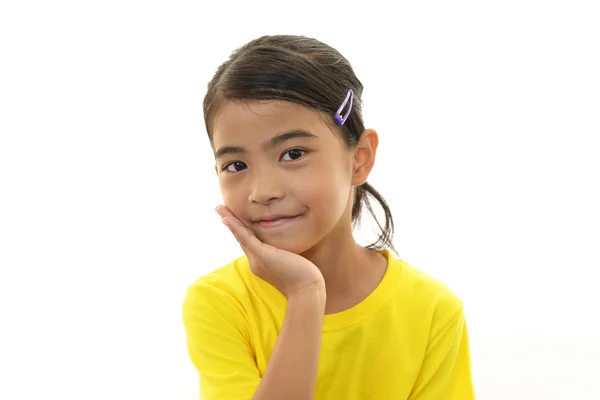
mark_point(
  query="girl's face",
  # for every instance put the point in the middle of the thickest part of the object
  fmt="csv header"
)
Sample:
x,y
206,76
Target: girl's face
x,y
276,158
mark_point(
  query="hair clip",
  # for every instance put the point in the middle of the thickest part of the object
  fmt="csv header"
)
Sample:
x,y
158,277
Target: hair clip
x,y
337,116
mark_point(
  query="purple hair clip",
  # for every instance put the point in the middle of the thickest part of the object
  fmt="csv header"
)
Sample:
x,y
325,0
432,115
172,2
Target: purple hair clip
x,y
337,116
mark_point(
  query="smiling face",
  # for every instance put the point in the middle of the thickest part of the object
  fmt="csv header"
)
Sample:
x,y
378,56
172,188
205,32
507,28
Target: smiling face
x,y
281,159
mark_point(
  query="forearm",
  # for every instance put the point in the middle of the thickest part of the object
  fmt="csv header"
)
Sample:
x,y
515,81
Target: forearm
x,y
291,373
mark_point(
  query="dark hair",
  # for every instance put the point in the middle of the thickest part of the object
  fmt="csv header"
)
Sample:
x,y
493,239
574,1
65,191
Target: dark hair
x,y
307,72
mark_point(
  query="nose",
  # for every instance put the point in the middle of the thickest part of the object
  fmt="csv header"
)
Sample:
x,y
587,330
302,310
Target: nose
x,y
264,189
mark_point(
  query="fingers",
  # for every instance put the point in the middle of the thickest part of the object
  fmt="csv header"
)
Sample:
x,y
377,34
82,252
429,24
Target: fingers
x,y
242,234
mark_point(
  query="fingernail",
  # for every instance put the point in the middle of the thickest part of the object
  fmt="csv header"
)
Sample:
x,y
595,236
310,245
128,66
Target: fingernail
x,y
225,223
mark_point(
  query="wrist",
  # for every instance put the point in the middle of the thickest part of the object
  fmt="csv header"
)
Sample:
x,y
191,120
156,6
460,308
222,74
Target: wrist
x,y
313,293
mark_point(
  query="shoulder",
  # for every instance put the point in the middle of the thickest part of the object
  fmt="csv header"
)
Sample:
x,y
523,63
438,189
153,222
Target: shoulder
x,y
221,290
224,278
428,297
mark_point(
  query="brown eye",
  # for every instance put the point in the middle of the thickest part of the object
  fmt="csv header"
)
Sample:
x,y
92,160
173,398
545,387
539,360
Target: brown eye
x,y
237,166
294,154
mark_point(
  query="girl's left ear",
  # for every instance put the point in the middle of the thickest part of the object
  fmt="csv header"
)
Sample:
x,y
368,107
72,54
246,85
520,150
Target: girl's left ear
x,y
364,156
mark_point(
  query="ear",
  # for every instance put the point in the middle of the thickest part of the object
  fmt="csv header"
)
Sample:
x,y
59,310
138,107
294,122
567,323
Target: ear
x,y
364,156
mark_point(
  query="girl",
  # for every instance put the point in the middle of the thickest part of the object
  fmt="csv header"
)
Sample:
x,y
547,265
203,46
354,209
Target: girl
x,y
307,313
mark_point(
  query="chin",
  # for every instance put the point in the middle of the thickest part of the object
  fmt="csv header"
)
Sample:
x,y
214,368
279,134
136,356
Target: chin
x,y
290,244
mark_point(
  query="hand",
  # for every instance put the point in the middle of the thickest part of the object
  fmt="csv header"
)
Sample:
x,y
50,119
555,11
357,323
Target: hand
x,y
290,273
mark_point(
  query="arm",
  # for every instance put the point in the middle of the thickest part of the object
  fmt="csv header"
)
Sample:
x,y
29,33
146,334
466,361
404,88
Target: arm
x,y
218,342
219,346
446,370
292,369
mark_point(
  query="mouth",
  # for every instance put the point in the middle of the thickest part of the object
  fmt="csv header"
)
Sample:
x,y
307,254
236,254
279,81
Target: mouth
x,y
276,222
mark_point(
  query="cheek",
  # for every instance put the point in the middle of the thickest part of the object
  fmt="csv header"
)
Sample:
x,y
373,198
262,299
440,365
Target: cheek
x,y
233,199
326,194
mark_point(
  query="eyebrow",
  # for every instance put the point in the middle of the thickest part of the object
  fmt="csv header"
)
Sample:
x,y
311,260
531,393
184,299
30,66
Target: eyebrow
x,y
273,142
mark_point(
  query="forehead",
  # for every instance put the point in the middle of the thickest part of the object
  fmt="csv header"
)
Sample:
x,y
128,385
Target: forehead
x,y
238,122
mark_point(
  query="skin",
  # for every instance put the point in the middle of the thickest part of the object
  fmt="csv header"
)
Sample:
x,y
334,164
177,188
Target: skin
x,y
309,177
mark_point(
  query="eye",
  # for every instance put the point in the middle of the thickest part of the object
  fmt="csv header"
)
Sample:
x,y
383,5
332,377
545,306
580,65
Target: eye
x,y
237,166
294,154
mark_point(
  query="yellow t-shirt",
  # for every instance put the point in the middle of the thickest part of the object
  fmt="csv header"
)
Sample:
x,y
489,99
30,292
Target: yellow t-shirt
x,y
406,340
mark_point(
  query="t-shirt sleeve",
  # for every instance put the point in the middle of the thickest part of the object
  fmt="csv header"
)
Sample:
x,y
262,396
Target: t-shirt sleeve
x,y
446,370
218,344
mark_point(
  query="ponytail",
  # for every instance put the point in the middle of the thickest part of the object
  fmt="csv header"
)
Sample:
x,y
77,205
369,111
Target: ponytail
x,y
361,198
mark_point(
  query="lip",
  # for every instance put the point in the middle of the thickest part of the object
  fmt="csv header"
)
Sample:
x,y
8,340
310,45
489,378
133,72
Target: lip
x,y
276,222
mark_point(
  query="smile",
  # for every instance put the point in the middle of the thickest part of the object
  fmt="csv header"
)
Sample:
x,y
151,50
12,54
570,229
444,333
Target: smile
x,y
277,222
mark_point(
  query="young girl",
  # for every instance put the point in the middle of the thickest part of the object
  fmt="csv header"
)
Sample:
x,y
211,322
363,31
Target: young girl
x,y
308,313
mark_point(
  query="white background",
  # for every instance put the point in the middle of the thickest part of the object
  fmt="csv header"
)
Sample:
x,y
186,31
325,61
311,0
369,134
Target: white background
x,y
489,120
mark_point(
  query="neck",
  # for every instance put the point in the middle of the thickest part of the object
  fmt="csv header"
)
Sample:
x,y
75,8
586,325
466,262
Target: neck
x,y
351,271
